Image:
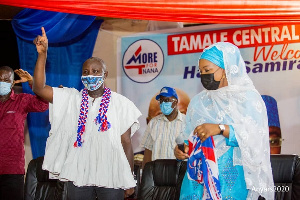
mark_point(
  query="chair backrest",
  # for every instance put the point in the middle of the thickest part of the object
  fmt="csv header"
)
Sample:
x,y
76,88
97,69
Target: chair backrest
x,y
159,180
38,185
286,175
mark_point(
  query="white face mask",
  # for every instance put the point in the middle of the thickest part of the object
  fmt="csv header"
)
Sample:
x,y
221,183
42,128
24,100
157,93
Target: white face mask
x,y
92,82
5,88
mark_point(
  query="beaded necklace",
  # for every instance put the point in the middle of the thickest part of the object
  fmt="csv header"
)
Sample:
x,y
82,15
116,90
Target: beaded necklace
x,y
101,118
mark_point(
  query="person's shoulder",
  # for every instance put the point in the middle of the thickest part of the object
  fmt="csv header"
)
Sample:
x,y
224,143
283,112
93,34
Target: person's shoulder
x,y
181,115
196,97
24,95
29,97
156,118
65,90
119,97
195,101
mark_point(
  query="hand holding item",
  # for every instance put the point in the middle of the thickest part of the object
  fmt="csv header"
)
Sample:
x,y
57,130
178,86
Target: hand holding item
x,y
206,130
181,155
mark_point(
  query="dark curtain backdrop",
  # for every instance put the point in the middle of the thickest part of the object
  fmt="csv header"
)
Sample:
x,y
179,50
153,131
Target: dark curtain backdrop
x,y
8,48
71,41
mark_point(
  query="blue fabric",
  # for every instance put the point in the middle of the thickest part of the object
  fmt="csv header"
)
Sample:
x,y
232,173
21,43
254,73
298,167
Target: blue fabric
x,y
213,55
69,46
232,181
272,110
231,141
60,27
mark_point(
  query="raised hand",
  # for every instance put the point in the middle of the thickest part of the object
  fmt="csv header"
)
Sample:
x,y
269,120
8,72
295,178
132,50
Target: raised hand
x,y
24,76
41,42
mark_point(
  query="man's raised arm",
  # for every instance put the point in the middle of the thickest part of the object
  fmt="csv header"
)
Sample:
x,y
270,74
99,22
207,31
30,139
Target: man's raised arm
x,y
39,78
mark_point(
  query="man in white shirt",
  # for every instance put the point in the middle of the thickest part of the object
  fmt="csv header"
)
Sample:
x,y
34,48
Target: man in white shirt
x,y
89,144
159,137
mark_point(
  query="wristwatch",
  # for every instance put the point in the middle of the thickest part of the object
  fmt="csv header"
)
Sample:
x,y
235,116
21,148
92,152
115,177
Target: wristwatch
x,y
222,128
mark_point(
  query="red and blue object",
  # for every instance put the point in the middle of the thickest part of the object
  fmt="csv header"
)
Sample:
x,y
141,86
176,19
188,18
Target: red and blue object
x,y
203,167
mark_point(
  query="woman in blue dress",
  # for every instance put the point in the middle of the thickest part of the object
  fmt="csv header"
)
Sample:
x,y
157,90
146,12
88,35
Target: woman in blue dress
x,y
227,127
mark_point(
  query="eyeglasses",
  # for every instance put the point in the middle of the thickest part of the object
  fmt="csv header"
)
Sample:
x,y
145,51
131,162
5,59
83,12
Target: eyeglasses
x,y
166,100
275,142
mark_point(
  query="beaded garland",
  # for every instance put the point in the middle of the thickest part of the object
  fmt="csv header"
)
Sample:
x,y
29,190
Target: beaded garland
x,y
101,118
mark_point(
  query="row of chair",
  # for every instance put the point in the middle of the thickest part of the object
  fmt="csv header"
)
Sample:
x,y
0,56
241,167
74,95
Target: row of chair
x,y
161,180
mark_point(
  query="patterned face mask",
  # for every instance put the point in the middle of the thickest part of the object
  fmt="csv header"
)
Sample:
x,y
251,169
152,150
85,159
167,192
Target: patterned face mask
x,y
92,83
5,88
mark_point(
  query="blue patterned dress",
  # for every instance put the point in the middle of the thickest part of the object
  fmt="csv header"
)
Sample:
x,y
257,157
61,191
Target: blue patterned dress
x,y
231,177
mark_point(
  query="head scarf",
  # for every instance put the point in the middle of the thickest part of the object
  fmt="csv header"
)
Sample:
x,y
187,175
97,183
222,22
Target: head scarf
x,y
240,105
213,55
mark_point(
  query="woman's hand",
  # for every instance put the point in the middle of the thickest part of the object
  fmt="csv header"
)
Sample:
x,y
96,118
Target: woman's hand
x,y
181,155
204,131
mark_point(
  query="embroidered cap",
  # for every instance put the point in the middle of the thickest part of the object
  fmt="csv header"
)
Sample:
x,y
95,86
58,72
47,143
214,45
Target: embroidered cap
x,y
167,92
213,55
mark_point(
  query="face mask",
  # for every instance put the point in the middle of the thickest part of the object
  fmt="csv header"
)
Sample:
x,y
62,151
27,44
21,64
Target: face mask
x,y
92,82
208,81
5,88
166,108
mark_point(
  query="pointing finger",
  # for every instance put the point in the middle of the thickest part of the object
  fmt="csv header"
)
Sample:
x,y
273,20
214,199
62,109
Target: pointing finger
x,y
43,32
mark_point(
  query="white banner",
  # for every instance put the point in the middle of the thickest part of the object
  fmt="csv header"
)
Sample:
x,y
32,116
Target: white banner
x,y
149,61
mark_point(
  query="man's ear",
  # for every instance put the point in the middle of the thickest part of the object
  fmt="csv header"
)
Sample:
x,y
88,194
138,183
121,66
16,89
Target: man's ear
x,y
13,84
105,74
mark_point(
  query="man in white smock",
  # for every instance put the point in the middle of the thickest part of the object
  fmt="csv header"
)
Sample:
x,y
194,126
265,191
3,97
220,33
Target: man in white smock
x,y
89,144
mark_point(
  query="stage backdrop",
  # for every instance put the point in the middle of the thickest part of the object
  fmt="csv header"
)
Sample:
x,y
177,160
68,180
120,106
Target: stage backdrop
x,y
149,61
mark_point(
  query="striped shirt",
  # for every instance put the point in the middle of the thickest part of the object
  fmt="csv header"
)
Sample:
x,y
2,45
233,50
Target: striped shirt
x,y
160,136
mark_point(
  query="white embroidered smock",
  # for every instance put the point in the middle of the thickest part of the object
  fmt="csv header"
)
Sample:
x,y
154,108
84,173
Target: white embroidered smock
x,y
101,161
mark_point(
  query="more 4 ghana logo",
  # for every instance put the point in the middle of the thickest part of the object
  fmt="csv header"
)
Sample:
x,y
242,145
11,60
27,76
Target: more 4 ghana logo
x,y
143,61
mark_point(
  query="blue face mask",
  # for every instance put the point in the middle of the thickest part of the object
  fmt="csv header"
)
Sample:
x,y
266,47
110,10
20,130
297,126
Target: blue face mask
x,y
166,108
5,88
92,82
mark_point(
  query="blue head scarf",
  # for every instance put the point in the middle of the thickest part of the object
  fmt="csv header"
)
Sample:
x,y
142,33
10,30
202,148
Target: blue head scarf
x,y
272,110
213,55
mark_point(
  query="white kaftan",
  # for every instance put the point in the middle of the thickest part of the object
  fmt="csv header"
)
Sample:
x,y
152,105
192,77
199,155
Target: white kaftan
x,y
101,161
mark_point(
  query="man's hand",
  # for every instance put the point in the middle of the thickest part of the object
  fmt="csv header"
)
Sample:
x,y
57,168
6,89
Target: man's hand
x,y
24,76
181,155
41,42
128,192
